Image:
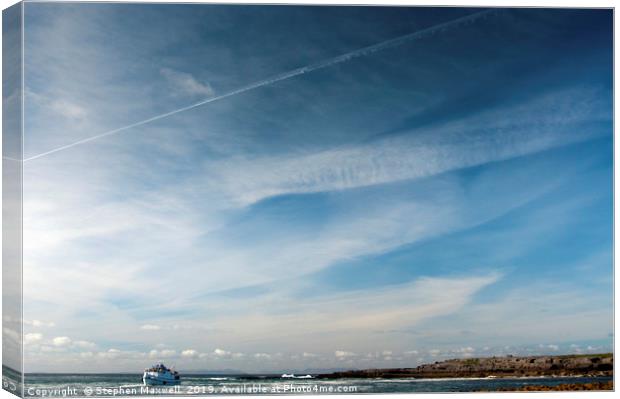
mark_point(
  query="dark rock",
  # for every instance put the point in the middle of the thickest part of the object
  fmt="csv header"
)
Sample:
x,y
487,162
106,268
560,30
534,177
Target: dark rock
x,y
566,365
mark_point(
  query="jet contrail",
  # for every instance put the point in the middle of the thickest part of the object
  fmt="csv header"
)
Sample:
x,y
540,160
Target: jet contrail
x,y
287,75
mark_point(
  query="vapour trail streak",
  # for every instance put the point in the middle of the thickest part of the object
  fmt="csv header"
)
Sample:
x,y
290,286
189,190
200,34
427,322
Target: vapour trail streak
x,y
287,75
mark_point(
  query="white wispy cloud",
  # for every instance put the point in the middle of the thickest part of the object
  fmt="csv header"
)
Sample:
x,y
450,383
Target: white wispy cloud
x,y
393,307
343,354
68,109
61,341
39,323
221,352
32,338
150,327
84,344
487,137
191,353
512,318
183,83
385,225
59,106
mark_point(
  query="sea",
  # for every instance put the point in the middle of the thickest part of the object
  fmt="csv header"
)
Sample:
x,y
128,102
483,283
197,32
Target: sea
x,y
74,385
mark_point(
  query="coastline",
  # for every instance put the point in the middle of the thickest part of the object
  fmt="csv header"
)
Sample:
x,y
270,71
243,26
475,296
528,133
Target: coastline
x,y
38,385
494,374
576,365
589,386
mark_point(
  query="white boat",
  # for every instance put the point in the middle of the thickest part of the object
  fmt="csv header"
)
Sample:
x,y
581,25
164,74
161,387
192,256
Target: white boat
x,y
160,375
295,376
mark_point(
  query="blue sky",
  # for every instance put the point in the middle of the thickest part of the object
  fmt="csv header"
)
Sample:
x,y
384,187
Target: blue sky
x,y
447,196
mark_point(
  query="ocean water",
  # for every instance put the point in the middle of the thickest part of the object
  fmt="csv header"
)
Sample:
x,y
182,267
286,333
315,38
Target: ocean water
x,y
64,385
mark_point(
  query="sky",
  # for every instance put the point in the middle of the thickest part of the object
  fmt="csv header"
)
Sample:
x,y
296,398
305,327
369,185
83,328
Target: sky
x,y
447,194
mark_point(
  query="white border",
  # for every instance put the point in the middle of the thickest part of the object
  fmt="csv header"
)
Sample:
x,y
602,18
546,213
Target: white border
x,y
449,3
481,3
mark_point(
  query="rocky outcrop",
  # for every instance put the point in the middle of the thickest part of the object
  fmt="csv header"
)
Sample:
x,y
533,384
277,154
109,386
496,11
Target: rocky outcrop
x,y
509,366
588,386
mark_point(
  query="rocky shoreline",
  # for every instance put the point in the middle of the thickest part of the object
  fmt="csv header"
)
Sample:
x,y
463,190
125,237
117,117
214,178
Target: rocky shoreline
x,y
500,367
590,386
